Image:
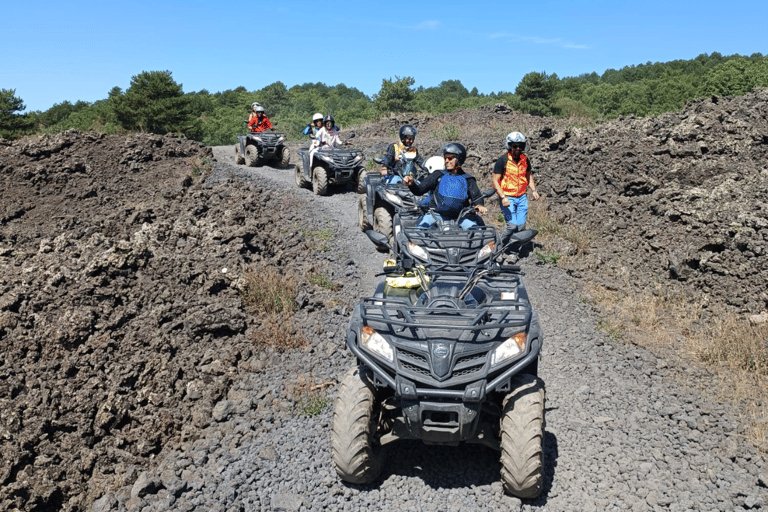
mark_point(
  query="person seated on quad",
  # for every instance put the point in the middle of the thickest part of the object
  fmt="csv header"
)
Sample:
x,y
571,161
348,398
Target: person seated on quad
x,y
259,122
315,126
395,162
326,138
452,190
253,110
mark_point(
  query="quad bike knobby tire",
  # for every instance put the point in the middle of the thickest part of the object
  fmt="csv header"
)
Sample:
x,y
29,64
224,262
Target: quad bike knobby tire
x,y
251,155
239,158
300,181
320,181
361,181
362,214
285,157
522,432
357,454
382,222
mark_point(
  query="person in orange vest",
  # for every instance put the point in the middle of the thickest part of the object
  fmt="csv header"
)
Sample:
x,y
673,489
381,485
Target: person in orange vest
x,y
512,177
260,121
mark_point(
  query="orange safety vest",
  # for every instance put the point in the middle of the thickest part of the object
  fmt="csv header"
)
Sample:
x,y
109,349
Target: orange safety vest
x,y
515,180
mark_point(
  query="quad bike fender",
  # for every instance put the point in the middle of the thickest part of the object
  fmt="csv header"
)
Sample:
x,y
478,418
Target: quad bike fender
x,y
305,169
241,142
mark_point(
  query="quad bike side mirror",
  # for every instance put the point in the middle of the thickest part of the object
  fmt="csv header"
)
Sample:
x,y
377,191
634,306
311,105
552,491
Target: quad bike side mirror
x,y
380,240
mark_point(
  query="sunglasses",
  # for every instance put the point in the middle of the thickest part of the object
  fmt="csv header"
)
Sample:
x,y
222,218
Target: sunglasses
x,y
518,146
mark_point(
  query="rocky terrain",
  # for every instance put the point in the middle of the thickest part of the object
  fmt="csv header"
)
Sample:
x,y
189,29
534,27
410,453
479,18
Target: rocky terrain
x,y
134,375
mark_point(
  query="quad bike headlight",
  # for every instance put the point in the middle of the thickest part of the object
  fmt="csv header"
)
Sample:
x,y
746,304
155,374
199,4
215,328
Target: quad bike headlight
x,y
393,198
486,251
357,159
281,138
512,347
418,251
376,343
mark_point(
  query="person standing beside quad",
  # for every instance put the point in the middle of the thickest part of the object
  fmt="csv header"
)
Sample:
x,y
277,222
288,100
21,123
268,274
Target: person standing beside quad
x,y
394,159
512,177
259,122
453,189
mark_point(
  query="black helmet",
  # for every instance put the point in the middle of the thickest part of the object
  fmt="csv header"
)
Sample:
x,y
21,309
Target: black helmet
x,y
330,118
457,149
407,131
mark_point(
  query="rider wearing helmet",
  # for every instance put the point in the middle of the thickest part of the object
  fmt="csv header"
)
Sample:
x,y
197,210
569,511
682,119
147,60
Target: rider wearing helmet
x,y
452,189
512,177
315,126
394,158
259,121
327,137
253,110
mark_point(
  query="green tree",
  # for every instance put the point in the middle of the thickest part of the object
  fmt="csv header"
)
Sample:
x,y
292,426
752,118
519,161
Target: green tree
x,y
395,95
536,92
154,103
13,124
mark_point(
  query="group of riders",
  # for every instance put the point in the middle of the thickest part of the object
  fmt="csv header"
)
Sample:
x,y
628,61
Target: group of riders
x,y
450,189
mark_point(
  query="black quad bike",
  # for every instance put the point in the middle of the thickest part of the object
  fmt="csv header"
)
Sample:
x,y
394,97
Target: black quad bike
x,y
333,166
445,357
256,148
382,198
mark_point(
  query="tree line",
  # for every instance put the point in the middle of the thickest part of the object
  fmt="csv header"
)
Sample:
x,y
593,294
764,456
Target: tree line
x,y
155,103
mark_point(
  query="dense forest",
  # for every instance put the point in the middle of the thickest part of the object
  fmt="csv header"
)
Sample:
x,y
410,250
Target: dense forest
x,y
155,103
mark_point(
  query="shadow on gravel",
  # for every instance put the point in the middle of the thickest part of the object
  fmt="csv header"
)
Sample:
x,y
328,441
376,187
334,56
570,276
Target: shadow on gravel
x,y
458,467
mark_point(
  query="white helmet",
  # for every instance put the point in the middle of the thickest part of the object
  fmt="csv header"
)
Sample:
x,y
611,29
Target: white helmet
x,y
317,116
259,109
515,138
435,163
255,104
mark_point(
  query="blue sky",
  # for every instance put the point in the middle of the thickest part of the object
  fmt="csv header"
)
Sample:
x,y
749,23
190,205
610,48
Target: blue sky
x,y
56,51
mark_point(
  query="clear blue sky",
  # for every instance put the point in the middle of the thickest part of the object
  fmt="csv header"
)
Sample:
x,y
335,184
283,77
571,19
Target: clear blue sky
x,y
56,51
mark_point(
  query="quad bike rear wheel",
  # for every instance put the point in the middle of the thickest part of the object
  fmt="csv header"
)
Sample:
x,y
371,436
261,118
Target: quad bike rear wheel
x,y
285,157
362,214
239,158
361,181
251,155
355,449
320,181
522,432
301,182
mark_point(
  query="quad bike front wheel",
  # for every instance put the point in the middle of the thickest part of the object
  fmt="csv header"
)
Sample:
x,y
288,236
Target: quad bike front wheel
x,y
239,158
251,155
362,214
361,181
355,449
522,432
320,181
382,222
301,182
285,157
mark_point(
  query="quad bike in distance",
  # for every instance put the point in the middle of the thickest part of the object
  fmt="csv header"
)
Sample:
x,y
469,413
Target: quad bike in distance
x,y
332,166
382,196
444,357
255,148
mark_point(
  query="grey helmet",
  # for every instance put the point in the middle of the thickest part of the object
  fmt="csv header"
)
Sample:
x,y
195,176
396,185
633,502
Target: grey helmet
x,y
259,109
515,138
457,149
407,131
